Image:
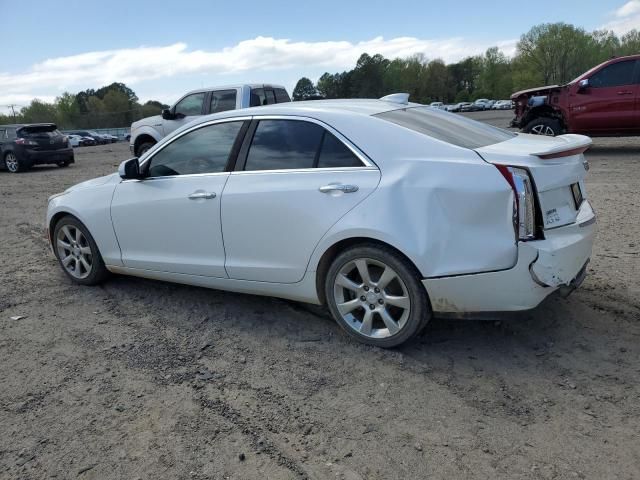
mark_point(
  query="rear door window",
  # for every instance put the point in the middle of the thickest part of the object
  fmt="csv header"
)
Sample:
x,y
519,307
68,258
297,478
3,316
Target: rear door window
x,y
614,75
270,97
295,144
257,97
447,127
222,100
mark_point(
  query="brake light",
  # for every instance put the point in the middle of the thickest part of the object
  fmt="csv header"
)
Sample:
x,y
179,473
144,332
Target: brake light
x,y
24,141
524,208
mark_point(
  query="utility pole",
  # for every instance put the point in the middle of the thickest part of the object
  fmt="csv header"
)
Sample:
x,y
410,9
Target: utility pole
x,y
13,110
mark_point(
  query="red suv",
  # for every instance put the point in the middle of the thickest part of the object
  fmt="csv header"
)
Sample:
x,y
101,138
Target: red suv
x,y
600,102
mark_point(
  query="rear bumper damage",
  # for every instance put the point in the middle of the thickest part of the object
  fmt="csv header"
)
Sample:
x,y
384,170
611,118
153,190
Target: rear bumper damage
x,y
559,262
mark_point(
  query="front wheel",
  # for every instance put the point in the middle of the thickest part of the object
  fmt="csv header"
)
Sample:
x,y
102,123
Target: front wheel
x,y
376,296
78,253
543,126
144,147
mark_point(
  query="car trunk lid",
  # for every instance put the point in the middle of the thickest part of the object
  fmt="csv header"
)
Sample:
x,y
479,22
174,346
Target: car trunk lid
x,y
557,168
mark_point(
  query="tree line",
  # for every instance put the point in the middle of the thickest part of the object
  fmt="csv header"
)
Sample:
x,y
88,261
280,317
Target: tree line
x,y
550,53
112,106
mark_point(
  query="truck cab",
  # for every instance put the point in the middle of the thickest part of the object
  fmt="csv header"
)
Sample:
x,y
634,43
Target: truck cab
x,y
145,133
601,102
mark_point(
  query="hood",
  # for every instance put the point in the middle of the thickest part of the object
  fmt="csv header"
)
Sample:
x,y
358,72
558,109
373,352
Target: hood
x,y
94,182
148,121
536,91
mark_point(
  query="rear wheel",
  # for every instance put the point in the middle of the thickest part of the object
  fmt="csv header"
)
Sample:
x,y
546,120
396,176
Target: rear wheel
x,y
376,296
543,126
13,163
78,253
64,164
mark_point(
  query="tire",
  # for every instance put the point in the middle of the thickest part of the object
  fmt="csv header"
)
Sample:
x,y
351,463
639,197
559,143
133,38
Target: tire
x,y
13,164
543,126
362,309
143,147
77,252
64,164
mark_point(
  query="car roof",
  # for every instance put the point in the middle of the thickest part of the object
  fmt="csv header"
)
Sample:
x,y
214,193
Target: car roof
x,y
313,108
229,87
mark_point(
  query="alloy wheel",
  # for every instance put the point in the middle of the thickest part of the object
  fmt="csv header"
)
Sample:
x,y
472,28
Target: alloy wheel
x,y
74,251
11,161
543,130
371,298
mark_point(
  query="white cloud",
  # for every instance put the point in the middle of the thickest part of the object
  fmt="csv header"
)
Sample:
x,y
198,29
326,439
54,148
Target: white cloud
x,y
625,18
248,58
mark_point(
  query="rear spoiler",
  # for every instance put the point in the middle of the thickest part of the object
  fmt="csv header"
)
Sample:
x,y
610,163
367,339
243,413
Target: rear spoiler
x,y
573,145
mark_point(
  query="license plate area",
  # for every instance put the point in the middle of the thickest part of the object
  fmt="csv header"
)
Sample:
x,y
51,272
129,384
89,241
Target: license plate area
x,y
577,195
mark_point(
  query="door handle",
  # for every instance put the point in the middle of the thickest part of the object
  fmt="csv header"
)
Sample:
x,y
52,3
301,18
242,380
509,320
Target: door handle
x,y
338,187
197,195
625,92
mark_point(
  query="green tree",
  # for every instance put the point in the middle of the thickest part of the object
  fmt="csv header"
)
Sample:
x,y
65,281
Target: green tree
x,y
495,80
558,51
367,79
303,89
38,112
67,110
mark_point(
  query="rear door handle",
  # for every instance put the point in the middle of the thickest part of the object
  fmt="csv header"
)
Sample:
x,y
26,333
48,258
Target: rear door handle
x,y
338,187
197,195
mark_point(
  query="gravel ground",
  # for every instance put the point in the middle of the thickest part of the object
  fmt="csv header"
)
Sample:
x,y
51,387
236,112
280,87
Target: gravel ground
x,y
142,379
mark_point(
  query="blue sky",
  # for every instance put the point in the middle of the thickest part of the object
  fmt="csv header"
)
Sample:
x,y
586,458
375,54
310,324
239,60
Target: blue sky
x,y
162,49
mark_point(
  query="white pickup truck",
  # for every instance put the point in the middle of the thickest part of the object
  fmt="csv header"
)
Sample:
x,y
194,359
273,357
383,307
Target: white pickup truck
x,y
145,133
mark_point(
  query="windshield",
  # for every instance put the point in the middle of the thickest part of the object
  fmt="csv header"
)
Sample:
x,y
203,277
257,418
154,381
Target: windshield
x,y
447,127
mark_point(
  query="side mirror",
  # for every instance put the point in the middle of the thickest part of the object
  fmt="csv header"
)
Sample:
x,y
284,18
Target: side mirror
x,y
130,169
583,84
167,114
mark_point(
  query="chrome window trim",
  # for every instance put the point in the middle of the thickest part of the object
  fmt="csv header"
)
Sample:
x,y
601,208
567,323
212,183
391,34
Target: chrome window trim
x,y
306,170
162,146
367,163
354,149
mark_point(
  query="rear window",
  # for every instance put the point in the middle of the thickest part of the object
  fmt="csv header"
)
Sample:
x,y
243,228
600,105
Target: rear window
x,y
447,127
39,131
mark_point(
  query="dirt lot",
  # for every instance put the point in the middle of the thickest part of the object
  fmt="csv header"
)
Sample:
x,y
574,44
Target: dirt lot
x,y
141,379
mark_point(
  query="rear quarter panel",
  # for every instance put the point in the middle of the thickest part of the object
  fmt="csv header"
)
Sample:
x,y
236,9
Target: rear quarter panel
x,y
442,206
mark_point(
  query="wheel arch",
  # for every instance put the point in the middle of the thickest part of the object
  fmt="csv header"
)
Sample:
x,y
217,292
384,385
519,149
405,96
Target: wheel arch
x,y
339,246
543,111
144,136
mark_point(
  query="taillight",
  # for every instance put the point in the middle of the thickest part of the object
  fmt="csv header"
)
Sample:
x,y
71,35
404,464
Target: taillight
x,y
24,141
524,214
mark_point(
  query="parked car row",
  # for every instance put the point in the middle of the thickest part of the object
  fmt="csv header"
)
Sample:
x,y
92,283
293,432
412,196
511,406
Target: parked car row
x,y
98,138
479,105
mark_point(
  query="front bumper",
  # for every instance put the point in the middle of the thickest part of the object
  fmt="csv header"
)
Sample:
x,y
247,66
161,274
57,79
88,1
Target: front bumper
x,y
543,266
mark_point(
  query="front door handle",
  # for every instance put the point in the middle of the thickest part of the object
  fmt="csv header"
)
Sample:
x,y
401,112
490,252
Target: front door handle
x,y
338,187
625,92
197,195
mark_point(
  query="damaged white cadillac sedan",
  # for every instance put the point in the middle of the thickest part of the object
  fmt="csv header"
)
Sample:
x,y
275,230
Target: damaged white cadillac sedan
x,y
387,212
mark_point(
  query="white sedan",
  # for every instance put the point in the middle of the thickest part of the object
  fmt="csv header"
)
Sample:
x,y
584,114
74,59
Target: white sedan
x,y
386,211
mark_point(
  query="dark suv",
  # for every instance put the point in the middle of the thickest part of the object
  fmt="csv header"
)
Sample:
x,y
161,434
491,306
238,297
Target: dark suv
x,y
601,102
25,145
